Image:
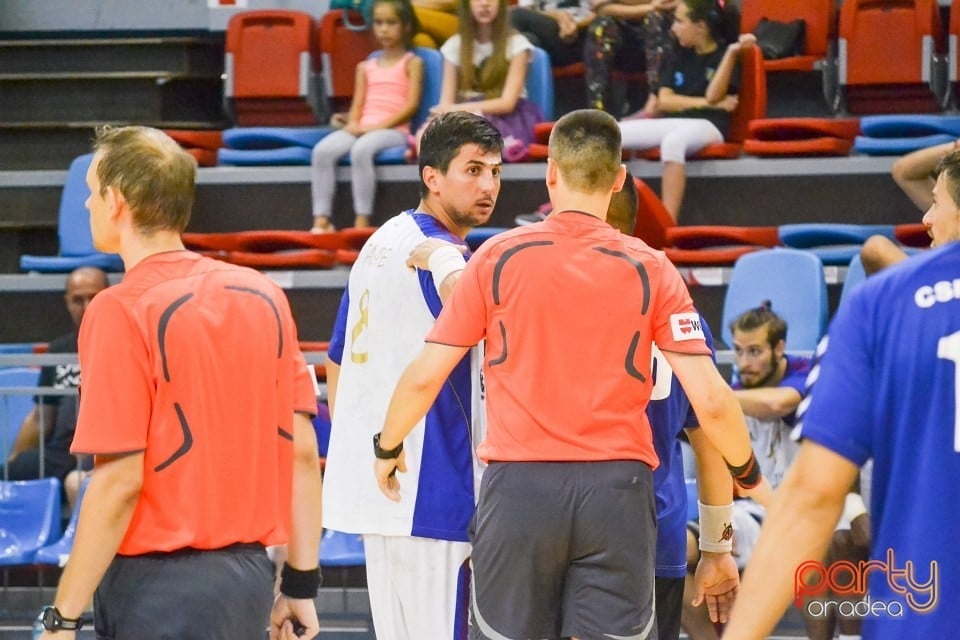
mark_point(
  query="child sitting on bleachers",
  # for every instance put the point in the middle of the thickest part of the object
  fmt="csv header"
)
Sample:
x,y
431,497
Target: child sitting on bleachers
x,y
386,97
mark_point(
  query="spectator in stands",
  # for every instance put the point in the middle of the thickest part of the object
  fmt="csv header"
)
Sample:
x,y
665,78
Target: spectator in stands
x,y
614,40
553,455
386,312
914,173
696,98
484,72
53,418
438,21
386,97
558,27
196,405
770,387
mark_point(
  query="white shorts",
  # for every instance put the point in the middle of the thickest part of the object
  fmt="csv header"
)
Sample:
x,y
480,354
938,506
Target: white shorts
x,y
418,587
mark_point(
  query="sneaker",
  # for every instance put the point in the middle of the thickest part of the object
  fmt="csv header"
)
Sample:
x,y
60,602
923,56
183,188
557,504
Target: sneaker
x,y
537,216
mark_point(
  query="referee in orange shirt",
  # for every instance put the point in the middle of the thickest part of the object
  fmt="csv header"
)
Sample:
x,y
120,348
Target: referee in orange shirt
x,y
196,404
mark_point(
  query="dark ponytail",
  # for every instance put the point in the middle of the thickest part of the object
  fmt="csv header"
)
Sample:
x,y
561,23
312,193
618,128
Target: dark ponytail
x,y
722,18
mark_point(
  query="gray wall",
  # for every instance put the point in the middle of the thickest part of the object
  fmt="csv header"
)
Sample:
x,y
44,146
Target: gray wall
x,y
102,15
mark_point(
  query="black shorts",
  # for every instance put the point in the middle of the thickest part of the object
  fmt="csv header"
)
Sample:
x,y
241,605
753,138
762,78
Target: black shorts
x,y
224,594
564,549
669,607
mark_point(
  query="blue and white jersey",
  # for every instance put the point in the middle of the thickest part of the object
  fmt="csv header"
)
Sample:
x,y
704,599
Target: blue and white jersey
x,y
669,413
886,387
387,310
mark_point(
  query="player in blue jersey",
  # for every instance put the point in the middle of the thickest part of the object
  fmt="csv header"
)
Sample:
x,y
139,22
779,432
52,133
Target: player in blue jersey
x,y
415,548
885,387
670,413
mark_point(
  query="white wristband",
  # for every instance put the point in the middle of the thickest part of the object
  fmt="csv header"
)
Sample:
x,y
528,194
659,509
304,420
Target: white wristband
x,y
444,261
716,527
853,507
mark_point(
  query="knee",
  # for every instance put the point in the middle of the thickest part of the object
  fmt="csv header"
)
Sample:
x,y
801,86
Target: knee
x,y
878,253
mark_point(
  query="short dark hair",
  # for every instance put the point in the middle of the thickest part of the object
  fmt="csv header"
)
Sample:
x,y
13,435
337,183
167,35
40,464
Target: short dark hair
x,y
759,317
585,144
447,133
950,165
622,212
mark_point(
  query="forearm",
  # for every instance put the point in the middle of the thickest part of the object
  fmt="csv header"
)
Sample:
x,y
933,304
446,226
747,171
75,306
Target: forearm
x,y
714,484
333,379
499,106
670,101
797,528
913,173
720,83
411,399
306,524
28,437
624,10
105,515
768,403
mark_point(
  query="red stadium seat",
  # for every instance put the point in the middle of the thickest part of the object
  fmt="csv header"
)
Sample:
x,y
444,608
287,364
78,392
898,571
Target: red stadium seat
x,y
268,68
341,50
817,16
886,55
802,136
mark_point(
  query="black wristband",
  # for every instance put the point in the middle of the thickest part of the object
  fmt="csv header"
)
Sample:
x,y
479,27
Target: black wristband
x,y
747,475
299,584
385,454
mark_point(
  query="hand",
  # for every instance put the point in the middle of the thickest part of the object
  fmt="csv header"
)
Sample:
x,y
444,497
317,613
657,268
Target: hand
x,y
596,4
717,581
386,473
728,104
338,120
288,616
745,41
665,5
440,109
567,26
419,257
354,128
762,493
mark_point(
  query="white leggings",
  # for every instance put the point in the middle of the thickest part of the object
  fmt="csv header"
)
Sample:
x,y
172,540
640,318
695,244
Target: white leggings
x,y
676,137
327,153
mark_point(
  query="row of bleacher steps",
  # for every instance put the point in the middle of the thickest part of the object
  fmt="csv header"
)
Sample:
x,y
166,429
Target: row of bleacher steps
x,y
54,91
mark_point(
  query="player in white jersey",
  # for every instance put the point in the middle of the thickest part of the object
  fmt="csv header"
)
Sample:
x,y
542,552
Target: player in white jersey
x,y
416,549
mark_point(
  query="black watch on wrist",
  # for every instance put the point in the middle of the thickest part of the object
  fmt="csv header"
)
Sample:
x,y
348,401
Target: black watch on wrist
x,y
385,454
53,620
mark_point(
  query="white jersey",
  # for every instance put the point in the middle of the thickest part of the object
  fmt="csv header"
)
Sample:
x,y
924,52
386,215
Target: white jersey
x,y
386,311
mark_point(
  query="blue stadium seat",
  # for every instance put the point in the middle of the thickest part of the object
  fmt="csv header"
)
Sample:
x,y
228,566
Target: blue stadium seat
x,y
338,549
855,275
58,552
73,229
14,407
792,280
29,518
478,235
539,83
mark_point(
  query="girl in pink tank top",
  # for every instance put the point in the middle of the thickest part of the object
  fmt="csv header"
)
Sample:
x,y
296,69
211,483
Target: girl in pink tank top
x,y
387,95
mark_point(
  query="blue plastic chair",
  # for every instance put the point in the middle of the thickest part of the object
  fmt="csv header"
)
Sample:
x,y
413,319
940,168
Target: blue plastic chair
x,y
539,83
59,552
693,496
73,229
855,275
338,549
478,235
14,407
792,280
29,518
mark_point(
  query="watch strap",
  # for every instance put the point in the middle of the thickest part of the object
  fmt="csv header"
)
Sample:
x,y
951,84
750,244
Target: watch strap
x,y
385,454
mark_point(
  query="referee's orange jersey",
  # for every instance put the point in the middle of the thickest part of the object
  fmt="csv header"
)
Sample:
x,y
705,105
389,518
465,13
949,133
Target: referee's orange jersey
x,y
196,363
569,308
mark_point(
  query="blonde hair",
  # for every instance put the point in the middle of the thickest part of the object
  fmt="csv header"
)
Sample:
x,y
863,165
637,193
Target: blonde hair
x,y
155,176
493,73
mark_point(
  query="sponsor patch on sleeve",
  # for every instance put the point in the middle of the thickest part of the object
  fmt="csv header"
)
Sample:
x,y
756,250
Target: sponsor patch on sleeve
x,y
686,326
